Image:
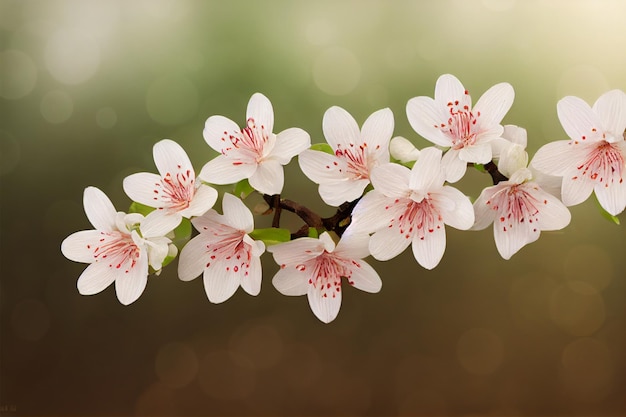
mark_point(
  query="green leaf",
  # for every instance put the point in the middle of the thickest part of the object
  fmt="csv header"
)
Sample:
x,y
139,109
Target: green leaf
x,y
136,207
480,167
313,232
324,147
182,234
271,236
243,189
606,214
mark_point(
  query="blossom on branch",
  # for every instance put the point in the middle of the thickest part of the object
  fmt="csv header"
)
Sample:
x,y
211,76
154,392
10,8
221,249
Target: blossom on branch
x,y
315,267
344,175
411,207
450,121
594,159
223,252
253,152
174,193
519,208
120,249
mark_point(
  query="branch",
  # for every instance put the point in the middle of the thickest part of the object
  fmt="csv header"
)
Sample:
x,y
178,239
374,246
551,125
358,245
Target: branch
x,y
496,175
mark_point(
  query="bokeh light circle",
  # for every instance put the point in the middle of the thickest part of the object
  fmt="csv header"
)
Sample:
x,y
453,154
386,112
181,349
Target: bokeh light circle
x,y
18,74
577,308
72,57
106,118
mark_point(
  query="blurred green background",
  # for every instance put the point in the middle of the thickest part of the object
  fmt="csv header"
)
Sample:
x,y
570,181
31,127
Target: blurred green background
x,y
87,87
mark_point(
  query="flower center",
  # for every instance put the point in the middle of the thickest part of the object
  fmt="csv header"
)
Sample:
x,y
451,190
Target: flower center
x,y
328,270
356,160
230,251
516,205
604,164
418,218
250,144
177,190
460,126
118,249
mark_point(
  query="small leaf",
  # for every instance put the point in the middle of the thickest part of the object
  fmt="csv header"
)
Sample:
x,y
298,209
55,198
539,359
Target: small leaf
x,y
243,189
271,235
480,167
313,233
324,147
182,234
136,207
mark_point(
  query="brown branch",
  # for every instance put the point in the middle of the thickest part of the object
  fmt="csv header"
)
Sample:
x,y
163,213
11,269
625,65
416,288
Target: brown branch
x,y
496,175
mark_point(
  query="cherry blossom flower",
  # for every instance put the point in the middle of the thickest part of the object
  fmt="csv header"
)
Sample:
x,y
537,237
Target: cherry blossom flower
x,y
224,252
450,121
253,152
411,207
315,267
594,159
403,150
175,192
521,207
343,176
119,249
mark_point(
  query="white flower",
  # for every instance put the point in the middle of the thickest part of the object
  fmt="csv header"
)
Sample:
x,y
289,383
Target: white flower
x,y
343,176
450,121
253,152
223,252
175,192
119,249
411,207
595,157
315,267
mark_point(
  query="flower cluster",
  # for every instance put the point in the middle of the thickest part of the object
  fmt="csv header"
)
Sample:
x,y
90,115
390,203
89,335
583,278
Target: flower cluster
x,y
388,195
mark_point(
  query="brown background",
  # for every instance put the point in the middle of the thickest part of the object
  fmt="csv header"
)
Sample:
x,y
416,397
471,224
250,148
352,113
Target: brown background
x,y
89,86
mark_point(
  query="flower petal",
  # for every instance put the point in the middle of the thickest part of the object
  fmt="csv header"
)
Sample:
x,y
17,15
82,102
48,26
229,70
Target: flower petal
x,y
479,153
353,245
578,120
261,111
129,286
449,89
193,259
493,105
289,143
462,215
365,278
170,157
95,278
403,150
291,281
453,167
236,214
324,307
427,173
371,213
387,243
611,110
296,251
78,247
391,180
554,158
203,199
510,238
553,214
251,283
224,170
426,117
321,167
483,212
159,223
141,187
340,129
217,132
268,178
336,193
429,250
612,198
99,209
376,133
575,189
220,281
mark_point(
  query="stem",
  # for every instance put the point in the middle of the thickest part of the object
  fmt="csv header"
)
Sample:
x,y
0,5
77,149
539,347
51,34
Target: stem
x,y
496,175
277,210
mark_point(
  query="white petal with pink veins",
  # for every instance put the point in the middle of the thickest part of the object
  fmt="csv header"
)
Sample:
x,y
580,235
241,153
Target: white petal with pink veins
x,y
217,132
170,157
99,209
129,286
461,216
261,111
555,158
236,214
578,120
453,167
427,172
388,243
324,304
511,238
220,282
79,246
159,223
268,178
364,277
193,259
448,89
338,192
479,153
144,188
203,199
291,281
371,213
251,282
493,105
575,191
296,251
429,250
289,143
613,198
392,180
320,166
611,110
95,278
426,118
353,245
340,129
223,170
376,133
